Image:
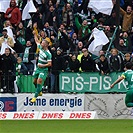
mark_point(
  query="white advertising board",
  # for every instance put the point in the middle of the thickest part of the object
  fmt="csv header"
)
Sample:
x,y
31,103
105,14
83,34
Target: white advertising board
x,y
47,102
108,106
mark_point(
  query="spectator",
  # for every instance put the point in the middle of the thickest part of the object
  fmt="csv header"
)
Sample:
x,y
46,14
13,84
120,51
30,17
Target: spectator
x,y
127,40
18,47
50,32
87,63
111,22
6,39
8,74
83,29
13,14
103,65
1,22
50,14
20,67
63,42
127,18
29,56
20,32
115,61
73,63
68,17
57,66
122,46
7,24
127,58
43,10
43,36
73,42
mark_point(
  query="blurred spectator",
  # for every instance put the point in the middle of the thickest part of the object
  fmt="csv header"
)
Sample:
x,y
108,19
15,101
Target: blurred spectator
x,y
13,14
7,24
127,40
18,47
20,67
1,22
63,42
73,63
6,39
43,36
50,32
111,22
127,18
43,10
83,29
20,32
58,65
87,63
8,62
127,58
68,16
115,61
103,65
29,56
50,14
73,42
122,46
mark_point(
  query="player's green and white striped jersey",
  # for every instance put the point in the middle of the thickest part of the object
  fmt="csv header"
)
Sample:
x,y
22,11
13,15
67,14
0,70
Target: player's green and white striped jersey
x,y
44,56
128,76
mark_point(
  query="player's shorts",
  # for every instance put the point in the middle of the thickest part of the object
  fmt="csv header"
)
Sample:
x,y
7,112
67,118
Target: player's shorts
x,y
41,73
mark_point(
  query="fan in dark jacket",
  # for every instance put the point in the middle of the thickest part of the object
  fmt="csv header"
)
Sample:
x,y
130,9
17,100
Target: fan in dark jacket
x,y
103,65
87,63
73,63
7,66
58,64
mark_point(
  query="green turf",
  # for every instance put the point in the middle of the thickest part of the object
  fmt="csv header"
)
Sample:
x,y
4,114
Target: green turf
x,y
66,126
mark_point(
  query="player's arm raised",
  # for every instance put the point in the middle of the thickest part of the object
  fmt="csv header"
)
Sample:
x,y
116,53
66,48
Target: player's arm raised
x,y
36,39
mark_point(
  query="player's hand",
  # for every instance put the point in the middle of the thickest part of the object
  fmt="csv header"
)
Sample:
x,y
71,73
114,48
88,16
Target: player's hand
x,y
40,66
111,86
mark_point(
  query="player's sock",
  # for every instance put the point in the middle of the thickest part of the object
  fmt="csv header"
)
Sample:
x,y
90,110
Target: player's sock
x,y
38,89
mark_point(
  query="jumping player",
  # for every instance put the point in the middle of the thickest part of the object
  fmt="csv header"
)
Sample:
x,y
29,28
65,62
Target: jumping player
x,y
44,61
128,76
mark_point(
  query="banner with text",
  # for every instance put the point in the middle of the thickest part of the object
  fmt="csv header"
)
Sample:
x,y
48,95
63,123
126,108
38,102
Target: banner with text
x,y
108,106
47,102
46,115
90,82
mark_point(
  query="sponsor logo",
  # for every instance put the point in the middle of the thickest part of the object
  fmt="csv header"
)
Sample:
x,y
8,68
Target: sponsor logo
x,y
48,115
8,104
55,102
98,105
121,110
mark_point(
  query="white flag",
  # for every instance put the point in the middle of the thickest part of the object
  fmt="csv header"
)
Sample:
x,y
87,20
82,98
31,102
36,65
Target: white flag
x,y
29,8
3,47
100,39
4,4
103,6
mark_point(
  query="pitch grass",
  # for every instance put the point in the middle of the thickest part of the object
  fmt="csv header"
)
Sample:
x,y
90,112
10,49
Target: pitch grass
x,y
66,126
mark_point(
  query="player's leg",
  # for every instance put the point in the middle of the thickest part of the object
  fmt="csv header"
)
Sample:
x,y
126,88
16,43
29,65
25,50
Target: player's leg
x,y
129,98
36,75
41,78
35,82
38,89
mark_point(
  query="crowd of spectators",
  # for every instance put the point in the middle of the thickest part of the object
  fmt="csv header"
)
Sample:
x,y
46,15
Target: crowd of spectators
x,y
67,26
